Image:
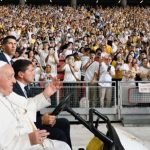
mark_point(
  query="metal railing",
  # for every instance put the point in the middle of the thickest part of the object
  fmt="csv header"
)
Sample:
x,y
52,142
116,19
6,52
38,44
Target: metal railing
x,y
125,101
85,94
130,95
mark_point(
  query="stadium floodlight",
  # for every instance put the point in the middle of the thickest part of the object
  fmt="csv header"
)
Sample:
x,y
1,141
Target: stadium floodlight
x,y
119,1
141,1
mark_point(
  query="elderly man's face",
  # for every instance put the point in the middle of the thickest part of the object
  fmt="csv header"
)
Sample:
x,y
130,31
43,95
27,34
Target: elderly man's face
x,y
6,79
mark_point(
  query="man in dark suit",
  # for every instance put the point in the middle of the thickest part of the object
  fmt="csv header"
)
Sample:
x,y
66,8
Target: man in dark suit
x,y
59,128
8,49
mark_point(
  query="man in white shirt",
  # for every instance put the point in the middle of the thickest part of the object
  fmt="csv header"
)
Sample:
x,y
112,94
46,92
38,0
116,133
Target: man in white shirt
x,y
144,69
18,131
70,79
105,81
91,70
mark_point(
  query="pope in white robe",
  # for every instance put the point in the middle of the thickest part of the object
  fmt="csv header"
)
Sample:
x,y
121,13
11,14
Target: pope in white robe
x,y
17,116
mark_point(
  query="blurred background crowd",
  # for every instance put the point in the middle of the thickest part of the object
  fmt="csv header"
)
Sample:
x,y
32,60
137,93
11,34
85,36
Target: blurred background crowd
x,y
63,41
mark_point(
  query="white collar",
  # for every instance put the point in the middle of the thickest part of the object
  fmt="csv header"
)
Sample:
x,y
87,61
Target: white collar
x,y
21,85
7,57
1,95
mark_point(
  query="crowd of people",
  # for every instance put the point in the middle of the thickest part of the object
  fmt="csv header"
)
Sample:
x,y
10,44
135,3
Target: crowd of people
x,y
64,42
83,44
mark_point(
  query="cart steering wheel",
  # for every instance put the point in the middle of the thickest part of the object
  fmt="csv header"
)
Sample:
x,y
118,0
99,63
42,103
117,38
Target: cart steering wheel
x,y
61,106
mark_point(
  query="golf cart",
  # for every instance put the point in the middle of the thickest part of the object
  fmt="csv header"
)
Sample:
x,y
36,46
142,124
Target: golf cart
x,y
114,139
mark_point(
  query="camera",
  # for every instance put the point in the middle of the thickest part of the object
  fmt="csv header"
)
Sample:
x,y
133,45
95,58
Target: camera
x,y
109,68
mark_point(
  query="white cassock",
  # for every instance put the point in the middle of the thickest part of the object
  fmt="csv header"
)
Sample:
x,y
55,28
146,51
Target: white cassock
x,y
16,122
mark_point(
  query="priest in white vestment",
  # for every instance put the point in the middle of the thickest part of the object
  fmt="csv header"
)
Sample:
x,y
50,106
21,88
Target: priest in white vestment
x,y
17,115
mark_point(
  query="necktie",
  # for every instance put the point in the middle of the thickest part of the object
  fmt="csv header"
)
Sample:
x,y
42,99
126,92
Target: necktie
x,y
27,91
11,62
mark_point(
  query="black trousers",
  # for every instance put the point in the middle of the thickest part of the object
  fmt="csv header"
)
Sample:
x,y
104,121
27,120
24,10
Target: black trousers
x,y
60,131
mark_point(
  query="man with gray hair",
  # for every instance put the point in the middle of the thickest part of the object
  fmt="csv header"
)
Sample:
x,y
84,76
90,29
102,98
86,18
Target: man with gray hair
x,y
17,128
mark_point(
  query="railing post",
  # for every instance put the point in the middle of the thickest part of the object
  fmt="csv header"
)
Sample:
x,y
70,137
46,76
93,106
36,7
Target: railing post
x,y
123,3
22,2
74,3
119,100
